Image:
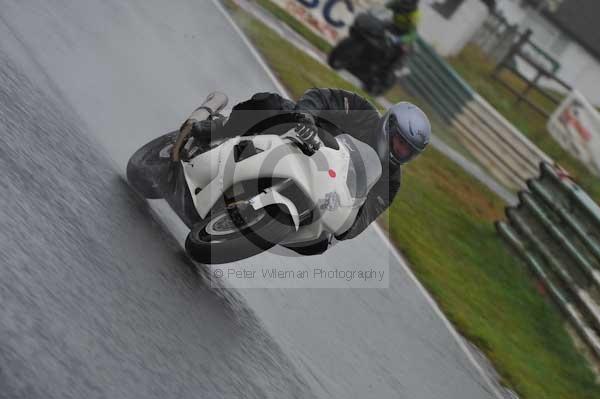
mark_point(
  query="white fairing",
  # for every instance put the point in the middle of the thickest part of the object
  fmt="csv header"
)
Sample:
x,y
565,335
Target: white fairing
x,y
322,177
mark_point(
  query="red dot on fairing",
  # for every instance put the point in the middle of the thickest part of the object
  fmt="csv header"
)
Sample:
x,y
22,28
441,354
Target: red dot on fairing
x,y
332,173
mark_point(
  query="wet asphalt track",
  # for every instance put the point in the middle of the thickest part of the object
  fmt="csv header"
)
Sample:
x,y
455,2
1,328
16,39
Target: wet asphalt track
x,y
97,301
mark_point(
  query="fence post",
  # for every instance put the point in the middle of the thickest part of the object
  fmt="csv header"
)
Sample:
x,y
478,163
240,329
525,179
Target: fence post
x,y
530,84
513,50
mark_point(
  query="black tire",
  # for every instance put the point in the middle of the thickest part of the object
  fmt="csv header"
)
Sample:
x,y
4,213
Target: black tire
x,y
389,80
374,88
379,86
341,55
260,235
148,167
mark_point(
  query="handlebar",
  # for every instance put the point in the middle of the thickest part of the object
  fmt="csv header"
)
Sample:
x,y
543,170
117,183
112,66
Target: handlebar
x,y
214,103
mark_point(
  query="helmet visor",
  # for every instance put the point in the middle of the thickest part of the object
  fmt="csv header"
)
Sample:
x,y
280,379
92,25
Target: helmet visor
x,y
401,151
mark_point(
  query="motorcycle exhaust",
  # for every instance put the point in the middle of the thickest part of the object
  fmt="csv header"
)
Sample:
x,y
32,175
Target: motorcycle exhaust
x,y
214,103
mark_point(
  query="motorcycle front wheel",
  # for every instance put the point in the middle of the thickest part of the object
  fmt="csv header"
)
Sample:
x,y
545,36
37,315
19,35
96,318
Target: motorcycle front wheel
x,y
224,237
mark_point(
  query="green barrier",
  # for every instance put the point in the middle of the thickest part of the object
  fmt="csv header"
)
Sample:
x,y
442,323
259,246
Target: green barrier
x,y
422,63
425,87
576,320
512,238
520,224
492,140
434,79
556,267
455,77
561,237
550,229
580,197
538,189
434,97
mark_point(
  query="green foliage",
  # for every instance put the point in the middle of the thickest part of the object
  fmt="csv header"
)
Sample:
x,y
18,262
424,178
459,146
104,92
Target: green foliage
x,y
293,23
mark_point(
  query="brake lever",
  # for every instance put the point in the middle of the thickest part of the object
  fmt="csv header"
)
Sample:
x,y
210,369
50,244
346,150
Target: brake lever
x,y
306,149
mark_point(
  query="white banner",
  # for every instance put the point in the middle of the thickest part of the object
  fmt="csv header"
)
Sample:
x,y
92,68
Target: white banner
x,y
329,19
576,127
448,26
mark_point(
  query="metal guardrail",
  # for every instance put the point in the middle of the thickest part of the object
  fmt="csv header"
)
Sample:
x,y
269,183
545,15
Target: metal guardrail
x,y
556,229
492,139
526,50
496,36
506,44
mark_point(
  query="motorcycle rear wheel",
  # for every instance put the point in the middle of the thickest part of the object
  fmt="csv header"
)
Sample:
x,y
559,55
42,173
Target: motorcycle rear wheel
x,y
379,86
219,239
341,55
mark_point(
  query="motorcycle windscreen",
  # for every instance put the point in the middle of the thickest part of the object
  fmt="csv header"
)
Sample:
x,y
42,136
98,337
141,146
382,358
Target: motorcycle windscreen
x,y
364,168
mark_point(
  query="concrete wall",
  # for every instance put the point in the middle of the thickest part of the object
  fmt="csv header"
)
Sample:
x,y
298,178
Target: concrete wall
x,y
512,10
581,70
448,36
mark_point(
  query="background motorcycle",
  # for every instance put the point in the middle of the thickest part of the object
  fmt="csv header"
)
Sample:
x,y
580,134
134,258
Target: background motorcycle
x,y
371,52
243,195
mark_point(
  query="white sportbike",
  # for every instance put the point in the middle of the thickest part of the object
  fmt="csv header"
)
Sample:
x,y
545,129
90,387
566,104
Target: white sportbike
x,y
251,193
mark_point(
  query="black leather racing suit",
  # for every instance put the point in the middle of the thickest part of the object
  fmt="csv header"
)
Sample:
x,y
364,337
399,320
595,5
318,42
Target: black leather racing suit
x,y
354,115
336,111
342,112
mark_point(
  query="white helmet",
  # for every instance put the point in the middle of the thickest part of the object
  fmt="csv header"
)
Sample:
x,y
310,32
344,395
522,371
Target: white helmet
x,y
406,131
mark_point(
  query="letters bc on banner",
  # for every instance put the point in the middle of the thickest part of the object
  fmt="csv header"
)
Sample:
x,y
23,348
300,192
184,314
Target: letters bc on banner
x,y
328,18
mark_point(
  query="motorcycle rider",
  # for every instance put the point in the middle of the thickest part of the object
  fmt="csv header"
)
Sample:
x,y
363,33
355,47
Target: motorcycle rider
x,y
398,136
406,19
377,44
404,25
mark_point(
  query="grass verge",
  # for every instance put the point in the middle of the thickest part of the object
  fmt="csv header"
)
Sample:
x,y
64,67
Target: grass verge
x,y
476,68
442,222
293,23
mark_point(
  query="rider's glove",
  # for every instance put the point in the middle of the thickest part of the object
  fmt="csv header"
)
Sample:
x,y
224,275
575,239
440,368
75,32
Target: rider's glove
x,y
201,130
306,131
205,131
